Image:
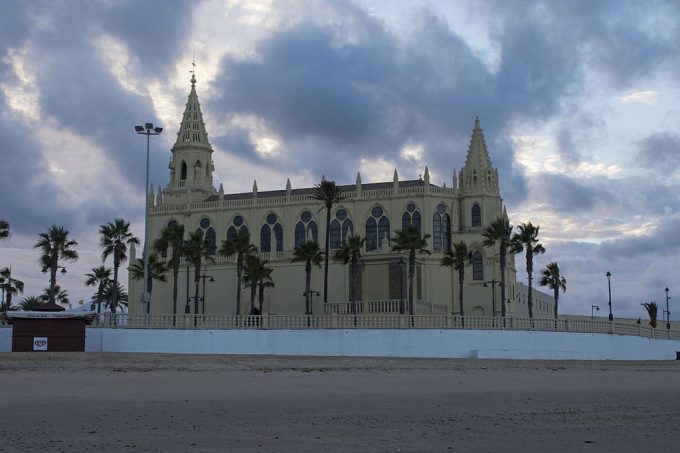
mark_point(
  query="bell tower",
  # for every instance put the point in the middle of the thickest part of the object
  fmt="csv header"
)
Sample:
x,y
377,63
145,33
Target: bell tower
x,y
191,166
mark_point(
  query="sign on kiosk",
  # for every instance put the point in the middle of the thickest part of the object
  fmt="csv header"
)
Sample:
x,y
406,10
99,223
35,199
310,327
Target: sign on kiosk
x,y
40,343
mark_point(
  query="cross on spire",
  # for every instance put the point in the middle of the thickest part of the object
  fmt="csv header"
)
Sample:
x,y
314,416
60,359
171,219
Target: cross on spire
x,y
193,70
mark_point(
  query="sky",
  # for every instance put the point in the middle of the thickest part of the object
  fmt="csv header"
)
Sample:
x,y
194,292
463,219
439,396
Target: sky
x,y
577,101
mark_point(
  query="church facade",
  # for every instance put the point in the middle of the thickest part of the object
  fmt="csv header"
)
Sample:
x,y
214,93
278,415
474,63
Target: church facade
x,y
281,219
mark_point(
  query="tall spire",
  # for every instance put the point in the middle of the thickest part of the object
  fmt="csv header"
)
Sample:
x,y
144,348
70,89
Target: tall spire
x,y
477,155
192,128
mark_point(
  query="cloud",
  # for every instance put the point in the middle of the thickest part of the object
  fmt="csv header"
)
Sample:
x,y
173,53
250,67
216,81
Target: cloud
x,y
649,97
660,152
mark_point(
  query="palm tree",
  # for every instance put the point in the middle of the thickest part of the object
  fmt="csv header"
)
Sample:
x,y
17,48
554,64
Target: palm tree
x,y
458,258
409,240
4,229
329,194
526,239
240,246
55,245
309,253
115,237
652,310
10,286
172,236
31,303
156,271
54,294
195,250
351,253
115,296
100,277
552,278
265,281
499,232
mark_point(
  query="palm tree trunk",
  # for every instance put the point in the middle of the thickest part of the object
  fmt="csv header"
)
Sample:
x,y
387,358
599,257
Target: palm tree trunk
x,y
53,276
411,271
260,296
253,290
503,265
175,277
352,283
557,296
308,284
327,246
116,264
529,276
99,296
197,279
461,281
239,275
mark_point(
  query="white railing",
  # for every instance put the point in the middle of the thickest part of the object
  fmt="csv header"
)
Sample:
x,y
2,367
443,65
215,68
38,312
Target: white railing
x,y
375,321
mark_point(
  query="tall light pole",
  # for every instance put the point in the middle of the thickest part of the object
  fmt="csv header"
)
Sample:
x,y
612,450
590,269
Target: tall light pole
x,y
668,313
493,293
204,276
147,130
592,310
609,284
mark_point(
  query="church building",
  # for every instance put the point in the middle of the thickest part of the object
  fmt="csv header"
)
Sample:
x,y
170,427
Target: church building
x,y
279,220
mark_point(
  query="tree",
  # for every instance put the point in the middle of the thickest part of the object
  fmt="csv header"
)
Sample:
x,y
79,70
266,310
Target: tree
x,y
458,258
499,232
195,250
240,246
55,245
4,229
309,253
54,294
351,253
264,281
172,236
552,278
31,303
156,271
115,238
115,296
526,239
652,310
100,277
257,276
409,240
10,286
329,194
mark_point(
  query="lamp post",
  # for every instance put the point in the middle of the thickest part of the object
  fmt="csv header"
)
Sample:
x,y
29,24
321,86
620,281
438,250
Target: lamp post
x,y
493,293
148,129
204,276
187,307
668,313
402,263
312,293
593,308
609,285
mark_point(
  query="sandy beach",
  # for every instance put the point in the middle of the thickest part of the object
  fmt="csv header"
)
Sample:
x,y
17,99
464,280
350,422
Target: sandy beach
x,y
151,402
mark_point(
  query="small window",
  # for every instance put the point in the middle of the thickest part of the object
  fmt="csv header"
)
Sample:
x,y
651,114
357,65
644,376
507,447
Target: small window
x,y
238,220
477,266
271,219
476,215
205,222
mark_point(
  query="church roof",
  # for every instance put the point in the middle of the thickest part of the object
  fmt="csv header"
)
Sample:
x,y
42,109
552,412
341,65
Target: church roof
x,y
192,131
311,190
477,155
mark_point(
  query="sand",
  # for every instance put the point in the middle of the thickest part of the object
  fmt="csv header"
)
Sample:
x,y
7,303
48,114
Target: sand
x,y
153,402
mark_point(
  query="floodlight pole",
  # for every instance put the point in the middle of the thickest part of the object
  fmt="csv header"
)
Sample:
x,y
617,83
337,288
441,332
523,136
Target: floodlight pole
x,y
609,285
147,130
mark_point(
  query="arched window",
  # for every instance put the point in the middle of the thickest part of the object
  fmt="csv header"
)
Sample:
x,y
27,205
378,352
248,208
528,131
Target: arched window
x,y
377,229
341,227
411,218
237,226
208,232
272,224
441,228
476,215
305,229
183,173
477,266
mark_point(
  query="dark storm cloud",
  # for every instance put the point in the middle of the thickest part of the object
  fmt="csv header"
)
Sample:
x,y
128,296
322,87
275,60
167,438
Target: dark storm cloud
x,y
660,151
77,90
568,195
660,241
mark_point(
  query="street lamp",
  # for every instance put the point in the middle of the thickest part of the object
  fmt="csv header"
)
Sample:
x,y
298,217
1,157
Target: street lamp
x,y
609,284
668,313
593,309
402,264
493,293
312,293
187,307
148,129
204,276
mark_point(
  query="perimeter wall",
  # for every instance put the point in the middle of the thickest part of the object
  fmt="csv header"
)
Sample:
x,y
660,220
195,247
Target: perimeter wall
x,y
379,343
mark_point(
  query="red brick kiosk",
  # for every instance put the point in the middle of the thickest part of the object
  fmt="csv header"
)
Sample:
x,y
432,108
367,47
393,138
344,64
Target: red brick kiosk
x,y
48,329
